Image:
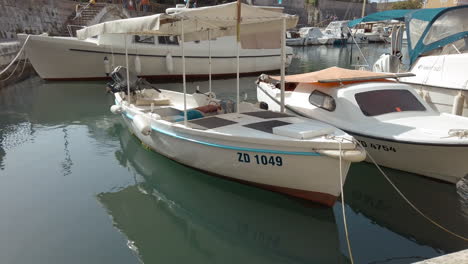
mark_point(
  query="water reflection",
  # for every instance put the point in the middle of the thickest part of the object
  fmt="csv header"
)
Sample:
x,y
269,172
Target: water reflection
x,y
173,214
179,215
370,195
314,58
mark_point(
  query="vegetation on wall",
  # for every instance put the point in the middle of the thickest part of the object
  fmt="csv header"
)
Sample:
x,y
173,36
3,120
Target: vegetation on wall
x,y
410,4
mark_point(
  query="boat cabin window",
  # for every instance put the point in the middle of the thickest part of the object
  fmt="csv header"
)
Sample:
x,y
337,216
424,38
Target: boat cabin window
x,y
374,103
449,24
143,39
168,40
322,100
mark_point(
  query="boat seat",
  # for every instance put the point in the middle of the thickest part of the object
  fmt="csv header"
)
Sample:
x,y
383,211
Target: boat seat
x,y
150,96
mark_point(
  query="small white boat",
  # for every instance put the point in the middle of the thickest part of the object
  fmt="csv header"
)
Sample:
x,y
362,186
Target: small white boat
x,y
397,127
314,36
336,33
276,151
373,32
295,39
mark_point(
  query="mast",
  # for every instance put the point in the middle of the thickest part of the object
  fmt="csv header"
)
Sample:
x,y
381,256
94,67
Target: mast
x,y
363,13
183,72
283,62
238,49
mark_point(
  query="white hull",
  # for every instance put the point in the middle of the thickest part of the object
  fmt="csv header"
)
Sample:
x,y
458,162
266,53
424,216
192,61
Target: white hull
x,y
304,171
447,162
296,42
69,58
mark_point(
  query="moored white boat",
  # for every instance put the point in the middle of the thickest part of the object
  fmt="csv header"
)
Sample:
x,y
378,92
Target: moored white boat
x,y
158,57
397,128
246,147
296,156
295,39
314,36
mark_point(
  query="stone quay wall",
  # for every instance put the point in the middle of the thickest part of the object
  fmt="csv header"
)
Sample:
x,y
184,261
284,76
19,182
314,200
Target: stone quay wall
x,y
33,16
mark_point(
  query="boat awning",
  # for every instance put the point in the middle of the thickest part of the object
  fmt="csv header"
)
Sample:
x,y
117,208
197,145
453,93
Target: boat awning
x,y
221,20
427,29
337,74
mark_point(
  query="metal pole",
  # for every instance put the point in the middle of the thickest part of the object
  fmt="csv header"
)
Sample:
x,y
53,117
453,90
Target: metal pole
x,y
128,71
283,62
238,51
209,59
183,74
363,8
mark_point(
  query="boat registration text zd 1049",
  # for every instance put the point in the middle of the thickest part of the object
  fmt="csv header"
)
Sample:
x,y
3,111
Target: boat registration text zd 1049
x,y
260,159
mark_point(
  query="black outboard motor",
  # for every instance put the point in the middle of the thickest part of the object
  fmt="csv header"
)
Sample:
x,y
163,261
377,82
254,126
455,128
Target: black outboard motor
x,y
119,81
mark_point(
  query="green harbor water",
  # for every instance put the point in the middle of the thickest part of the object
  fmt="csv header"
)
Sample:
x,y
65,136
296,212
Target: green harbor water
x,y
77,187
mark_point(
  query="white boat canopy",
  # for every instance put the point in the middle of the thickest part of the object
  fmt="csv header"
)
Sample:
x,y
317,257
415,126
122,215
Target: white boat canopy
x,y
220,20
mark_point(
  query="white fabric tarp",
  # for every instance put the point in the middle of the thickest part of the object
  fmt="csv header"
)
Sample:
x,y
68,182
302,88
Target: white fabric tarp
x,y
221,20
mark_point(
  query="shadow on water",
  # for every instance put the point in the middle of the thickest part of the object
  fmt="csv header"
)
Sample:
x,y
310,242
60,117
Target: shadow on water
x,y
174,214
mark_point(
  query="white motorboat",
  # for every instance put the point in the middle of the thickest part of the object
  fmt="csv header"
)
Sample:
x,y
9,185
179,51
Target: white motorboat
x,y
156,57
397,127
438,55
373,32
337,32
314,36
295,39
276,151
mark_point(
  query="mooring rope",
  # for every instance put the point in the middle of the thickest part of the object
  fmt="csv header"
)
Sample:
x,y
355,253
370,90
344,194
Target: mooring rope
x,y
14,70
17,56
408,201
343,206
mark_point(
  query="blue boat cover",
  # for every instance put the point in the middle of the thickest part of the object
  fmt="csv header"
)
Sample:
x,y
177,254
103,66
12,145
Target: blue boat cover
x,y
426,29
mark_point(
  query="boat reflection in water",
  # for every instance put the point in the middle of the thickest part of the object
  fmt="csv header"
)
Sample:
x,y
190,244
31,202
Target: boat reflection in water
x,y
371,196
174,214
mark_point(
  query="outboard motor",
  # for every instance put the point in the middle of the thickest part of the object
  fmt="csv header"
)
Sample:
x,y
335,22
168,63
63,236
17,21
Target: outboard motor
x,y
119,81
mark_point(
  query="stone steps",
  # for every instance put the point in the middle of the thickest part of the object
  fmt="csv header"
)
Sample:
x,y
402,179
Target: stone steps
x,y
86,14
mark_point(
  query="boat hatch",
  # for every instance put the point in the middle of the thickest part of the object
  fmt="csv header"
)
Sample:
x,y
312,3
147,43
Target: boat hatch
x,y
373,103
212,122
267,126
267,114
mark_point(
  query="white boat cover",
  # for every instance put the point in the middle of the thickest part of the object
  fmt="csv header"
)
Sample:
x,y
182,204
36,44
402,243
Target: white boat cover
x,y
333,73
221,20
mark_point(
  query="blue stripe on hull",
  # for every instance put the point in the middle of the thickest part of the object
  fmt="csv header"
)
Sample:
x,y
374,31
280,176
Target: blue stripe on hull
x,y
230,147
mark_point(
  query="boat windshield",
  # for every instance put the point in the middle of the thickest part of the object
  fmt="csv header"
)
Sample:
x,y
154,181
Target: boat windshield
x,y
374,103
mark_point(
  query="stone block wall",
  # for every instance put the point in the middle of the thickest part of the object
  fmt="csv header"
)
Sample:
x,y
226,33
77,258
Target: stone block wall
x,y
33,16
